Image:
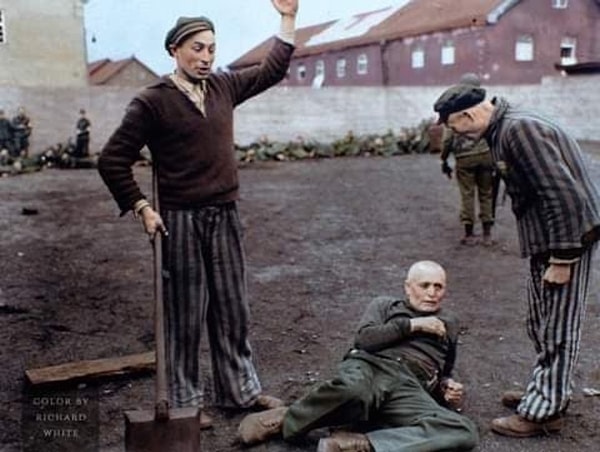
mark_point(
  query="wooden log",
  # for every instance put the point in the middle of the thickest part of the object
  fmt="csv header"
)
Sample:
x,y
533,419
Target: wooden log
x,y
91,369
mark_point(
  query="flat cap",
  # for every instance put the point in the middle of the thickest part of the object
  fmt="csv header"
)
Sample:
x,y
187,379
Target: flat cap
x,y
186,26
457,98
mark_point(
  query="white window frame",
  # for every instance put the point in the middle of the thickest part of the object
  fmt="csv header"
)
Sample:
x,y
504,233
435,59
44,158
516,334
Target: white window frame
x,y
568,43
340,67
2,27
448,54
301,72
560,4
362,64
417,58
524,48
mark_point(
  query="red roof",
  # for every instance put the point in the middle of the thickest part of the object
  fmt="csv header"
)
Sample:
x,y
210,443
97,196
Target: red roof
x,y
102,71
404,19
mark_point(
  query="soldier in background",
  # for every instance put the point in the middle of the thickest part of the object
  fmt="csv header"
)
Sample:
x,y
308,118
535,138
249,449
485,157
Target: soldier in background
x,y
475,177
82,138
21,125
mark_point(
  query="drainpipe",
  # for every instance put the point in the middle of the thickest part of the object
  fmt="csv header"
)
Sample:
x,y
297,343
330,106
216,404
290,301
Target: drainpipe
x,y
385,68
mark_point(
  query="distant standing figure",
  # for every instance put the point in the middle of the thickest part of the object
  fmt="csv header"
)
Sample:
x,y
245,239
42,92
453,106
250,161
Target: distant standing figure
x,y
21,125
82,140
6,132
474,175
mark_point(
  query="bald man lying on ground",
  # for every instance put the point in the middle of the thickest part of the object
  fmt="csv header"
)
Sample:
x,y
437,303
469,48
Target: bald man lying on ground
x,y
395,384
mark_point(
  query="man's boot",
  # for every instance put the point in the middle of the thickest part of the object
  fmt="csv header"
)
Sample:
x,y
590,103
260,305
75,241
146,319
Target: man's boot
x,y
487,234
468,238
345,442
258,427
519,427
512,399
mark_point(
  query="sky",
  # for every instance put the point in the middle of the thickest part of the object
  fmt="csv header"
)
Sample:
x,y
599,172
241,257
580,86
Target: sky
x,y
119,29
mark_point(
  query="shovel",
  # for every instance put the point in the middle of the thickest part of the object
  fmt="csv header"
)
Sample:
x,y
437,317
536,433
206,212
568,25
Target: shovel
x,y
164,429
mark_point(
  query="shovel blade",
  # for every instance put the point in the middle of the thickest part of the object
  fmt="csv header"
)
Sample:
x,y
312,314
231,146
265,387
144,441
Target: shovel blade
x,y
179,433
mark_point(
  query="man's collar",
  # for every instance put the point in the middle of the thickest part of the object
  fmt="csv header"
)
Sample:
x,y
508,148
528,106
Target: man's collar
x,y
186,84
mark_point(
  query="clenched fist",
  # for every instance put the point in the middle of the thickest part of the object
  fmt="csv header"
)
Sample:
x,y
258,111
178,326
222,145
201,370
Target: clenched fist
x,y
430,324
453,393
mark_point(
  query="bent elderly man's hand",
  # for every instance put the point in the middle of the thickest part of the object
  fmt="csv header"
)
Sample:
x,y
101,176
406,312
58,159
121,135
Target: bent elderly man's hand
x,y
286,7
558,274
430,324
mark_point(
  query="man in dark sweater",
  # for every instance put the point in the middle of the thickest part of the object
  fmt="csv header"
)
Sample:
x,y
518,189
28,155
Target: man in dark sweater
x,y
390,384
186,121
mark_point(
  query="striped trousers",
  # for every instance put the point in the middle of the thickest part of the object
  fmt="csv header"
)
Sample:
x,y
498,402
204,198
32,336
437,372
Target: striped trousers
x,y
205,285
554,320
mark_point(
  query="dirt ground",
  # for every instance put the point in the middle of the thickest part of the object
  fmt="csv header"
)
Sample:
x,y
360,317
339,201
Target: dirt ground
x,y
322,238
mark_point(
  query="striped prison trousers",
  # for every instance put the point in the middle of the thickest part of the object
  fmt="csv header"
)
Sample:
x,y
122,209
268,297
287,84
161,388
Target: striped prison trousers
x,y
554,321
205,285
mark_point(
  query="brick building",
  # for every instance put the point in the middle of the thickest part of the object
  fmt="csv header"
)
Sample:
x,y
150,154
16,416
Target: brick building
x,y
54,54
426,42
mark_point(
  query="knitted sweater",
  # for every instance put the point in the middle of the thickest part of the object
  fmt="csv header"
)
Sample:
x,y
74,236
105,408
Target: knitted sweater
x,y
193,153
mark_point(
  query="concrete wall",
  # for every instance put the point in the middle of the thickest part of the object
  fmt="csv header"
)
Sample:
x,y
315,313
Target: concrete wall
x,y
325,114
285,113
54,56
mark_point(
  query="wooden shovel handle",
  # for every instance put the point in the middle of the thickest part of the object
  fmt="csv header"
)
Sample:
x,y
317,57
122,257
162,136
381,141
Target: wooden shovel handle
x,y
162,403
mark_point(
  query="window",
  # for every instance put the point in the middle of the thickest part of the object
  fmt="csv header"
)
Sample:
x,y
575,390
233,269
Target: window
x,y
2,27
418,58
524,48
340,68
448,53
301,72
567,51
362,64
560,4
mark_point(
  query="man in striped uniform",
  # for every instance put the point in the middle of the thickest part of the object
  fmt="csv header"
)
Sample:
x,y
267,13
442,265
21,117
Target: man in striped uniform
x,y
186,121
557,208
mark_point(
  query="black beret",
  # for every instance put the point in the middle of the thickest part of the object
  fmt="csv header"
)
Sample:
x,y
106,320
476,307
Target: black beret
x,y
185,26
457,98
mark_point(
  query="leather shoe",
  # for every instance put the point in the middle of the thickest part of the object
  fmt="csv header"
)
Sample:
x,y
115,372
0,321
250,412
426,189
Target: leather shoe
x,y
267,402
520,427
258,427
345,442
511,399
206,422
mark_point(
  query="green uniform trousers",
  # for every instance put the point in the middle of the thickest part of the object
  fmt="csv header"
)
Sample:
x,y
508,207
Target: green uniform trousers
x,y
474,174
387,396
